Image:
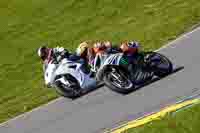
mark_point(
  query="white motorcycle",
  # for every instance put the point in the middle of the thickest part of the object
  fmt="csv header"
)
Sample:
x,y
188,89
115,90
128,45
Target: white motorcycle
x,y
70,78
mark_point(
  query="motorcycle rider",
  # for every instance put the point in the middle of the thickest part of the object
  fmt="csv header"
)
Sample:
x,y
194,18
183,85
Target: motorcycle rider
x,y
85,51
48,55
51,58
88,50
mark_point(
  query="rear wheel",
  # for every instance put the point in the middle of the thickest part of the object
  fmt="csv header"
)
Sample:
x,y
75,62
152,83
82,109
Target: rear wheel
x,y
71,89
159,63
118,80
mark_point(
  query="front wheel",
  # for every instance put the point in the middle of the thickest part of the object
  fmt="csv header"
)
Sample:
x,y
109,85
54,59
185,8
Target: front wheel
x,y
68,86
118,80
159,63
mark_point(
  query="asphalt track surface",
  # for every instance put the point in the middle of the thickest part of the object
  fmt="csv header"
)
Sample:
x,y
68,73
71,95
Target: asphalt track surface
x,y
102,108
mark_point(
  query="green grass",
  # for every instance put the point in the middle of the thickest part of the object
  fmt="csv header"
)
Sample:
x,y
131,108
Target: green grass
x,y
185,121
25,24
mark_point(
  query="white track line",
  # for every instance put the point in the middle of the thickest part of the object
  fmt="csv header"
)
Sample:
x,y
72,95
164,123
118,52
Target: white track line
x,y
60,98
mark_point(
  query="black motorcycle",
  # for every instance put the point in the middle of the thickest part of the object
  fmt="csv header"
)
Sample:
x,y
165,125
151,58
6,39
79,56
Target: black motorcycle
x,y
122,75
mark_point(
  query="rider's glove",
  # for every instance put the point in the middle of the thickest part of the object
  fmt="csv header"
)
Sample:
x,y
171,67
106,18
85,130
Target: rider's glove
x,y
60,49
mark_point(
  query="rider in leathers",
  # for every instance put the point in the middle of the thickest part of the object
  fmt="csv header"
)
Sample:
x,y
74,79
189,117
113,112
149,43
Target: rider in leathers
x,y
88,50
51,58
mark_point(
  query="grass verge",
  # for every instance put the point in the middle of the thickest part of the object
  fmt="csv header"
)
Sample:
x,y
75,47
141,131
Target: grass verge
x,y
185,121
26,24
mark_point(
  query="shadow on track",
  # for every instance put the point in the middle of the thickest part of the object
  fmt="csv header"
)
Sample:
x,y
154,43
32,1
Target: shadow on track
x,y
156,79
89,90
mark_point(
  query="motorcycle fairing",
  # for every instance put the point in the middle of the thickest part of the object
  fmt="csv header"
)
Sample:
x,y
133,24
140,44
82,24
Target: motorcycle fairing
x,y
74,68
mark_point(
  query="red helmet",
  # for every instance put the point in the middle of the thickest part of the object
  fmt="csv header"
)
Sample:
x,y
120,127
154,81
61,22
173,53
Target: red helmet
x,y
130,47
43,52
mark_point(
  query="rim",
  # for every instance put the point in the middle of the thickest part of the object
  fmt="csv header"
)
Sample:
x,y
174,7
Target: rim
x,y
160,62
119,80
72,86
